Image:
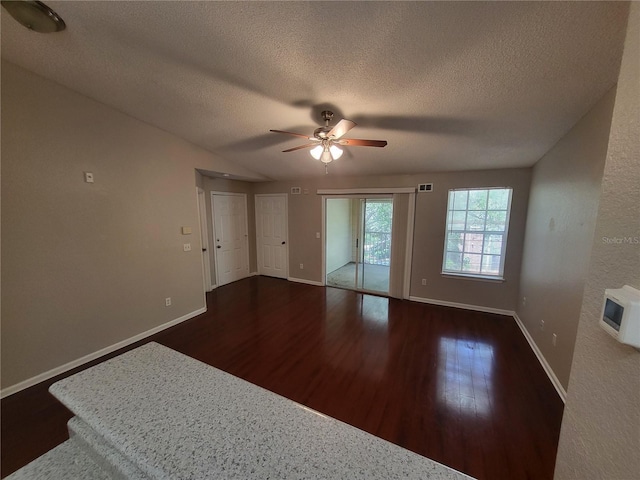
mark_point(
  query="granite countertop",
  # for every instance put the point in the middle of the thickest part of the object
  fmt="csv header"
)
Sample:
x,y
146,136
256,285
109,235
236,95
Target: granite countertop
x,y
176,417
67,461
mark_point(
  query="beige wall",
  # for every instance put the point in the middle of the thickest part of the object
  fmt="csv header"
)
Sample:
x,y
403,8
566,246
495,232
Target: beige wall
x,y
199,179
305,219
339,230
565,189
85,266
428,242
600,436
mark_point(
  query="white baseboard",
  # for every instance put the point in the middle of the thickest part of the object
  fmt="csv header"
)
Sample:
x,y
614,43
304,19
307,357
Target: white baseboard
x,y
545,365
543,361
466,306
308,282
92,356
253,274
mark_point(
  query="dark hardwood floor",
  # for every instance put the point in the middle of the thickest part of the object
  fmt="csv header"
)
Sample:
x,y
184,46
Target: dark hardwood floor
x,y
460,387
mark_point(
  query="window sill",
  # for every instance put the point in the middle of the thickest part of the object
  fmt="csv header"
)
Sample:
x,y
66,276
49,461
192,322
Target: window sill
x,y
470,276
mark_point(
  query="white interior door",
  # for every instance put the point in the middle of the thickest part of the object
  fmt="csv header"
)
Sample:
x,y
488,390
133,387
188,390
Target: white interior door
x,y
271,235
230,237
204,240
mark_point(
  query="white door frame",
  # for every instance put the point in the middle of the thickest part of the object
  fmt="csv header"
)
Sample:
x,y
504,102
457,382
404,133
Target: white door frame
x,y
246,229
204,238
408,254
286,227
363,195
351,193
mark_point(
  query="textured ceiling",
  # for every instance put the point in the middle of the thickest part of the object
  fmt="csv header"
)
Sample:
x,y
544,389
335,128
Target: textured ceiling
x,y
450,85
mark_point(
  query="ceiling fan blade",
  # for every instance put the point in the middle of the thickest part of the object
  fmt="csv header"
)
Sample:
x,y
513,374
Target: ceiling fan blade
x,y
291,133
356,142
308,145
341,128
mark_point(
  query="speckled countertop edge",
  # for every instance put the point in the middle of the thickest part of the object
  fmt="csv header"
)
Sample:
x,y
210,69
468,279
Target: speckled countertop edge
x,y
66,461
177,417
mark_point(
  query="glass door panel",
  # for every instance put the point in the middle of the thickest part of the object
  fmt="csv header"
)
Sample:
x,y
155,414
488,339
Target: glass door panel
x,y
340,246
375,256
358,243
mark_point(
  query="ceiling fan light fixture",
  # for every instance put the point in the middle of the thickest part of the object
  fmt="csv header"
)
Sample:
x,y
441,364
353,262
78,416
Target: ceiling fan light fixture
x,y
326,156
34,15
336,152
326,140
316,152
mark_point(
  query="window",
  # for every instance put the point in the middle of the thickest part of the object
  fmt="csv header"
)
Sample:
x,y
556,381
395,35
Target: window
x,y
476,234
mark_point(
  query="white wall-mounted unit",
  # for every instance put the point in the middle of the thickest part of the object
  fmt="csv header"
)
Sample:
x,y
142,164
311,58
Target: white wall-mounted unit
x,y
620,316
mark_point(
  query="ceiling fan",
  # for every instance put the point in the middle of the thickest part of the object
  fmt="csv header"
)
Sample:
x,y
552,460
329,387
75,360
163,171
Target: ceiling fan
x,y
326,140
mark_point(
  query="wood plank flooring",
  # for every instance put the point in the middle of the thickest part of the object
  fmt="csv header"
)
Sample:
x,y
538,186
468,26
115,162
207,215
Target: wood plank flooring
x,y
460,387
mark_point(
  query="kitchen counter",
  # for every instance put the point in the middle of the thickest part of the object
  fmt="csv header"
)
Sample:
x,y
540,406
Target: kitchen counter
x,y
174,417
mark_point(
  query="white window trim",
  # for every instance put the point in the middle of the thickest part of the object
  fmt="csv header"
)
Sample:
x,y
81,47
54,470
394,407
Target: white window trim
x,y
471,275
475,276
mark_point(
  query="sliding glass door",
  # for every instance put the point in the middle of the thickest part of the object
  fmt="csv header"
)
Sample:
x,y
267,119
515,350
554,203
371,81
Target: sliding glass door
x,y
358,242
375,255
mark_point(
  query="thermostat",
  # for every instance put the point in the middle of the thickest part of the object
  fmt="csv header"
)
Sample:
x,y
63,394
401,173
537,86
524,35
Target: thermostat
x,y
620,316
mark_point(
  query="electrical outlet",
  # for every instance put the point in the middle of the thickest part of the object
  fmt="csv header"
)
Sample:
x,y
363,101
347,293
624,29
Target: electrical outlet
x,y
424,281
88,177
187,247
524,301
541,324
167,302
301,266
554,339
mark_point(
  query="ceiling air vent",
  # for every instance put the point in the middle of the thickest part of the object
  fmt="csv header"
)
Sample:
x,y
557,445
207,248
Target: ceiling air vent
x,y
425,187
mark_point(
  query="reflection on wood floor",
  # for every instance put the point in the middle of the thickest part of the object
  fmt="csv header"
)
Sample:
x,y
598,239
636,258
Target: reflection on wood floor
x,y
460,387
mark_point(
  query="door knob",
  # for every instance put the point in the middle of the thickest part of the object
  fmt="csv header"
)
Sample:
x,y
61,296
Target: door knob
x,y
219,246
204,249
283,243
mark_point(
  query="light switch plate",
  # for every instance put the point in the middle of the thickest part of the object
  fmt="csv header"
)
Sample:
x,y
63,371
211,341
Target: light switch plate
x,y
88,177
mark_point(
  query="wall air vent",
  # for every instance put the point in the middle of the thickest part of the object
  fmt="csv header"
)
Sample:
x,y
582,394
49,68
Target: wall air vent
x,y
425,187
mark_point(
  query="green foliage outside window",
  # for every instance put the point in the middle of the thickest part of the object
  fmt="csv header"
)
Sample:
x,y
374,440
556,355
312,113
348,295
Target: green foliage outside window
x,y
378,216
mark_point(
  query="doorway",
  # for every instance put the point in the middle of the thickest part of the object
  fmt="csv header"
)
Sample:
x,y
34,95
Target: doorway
x,y
358,243
230,236
204,239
